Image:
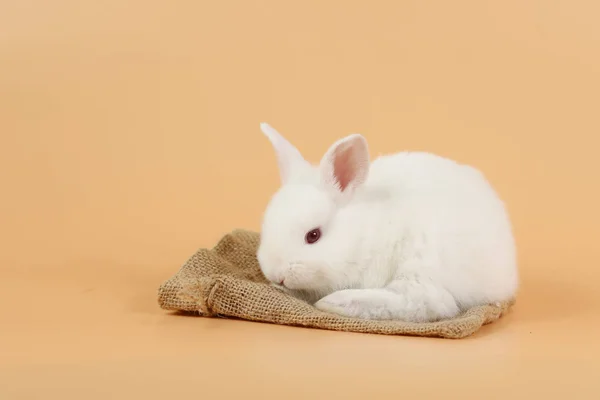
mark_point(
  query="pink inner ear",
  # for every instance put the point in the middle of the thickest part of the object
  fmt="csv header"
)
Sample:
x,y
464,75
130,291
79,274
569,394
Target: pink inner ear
x,y
344,168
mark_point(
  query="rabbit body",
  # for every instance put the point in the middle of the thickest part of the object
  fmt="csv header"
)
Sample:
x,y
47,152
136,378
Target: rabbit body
x,y
410,236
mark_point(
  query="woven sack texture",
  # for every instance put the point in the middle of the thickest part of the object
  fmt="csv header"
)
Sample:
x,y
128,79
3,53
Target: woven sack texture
x,y
226,281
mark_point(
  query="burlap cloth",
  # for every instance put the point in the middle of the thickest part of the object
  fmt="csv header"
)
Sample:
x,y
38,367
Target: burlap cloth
x,y
226,281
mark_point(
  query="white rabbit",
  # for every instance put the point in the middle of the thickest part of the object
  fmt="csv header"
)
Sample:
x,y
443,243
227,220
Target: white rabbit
x,y
408,236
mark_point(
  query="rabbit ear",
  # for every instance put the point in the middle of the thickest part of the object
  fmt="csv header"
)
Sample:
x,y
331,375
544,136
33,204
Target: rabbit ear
x,y
345,166
288,156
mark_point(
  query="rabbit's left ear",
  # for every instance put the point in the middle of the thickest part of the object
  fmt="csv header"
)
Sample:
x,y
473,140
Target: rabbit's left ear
x,y
289,158
345,166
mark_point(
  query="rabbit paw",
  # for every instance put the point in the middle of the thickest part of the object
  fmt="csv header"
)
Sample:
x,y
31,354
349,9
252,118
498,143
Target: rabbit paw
x,y
357,303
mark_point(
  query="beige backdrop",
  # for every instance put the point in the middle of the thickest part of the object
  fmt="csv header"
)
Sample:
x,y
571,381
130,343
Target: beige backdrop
x,y
130,134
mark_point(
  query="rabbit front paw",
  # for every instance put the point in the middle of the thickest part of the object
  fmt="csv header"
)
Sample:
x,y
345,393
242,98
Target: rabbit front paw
x,y
357,303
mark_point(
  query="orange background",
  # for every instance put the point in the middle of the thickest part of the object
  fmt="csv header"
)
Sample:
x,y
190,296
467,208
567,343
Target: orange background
x,y
130,137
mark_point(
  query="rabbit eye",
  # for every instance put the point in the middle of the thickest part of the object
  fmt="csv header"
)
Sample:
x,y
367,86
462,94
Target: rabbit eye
x,y
313,236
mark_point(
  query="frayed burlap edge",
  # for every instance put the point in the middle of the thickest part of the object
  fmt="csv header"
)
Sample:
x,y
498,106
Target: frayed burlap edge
x,y
226,281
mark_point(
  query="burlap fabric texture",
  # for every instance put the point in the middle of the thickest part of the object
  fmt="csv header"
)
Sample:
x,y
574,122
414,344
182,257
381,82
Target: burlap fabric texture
x,y
226,281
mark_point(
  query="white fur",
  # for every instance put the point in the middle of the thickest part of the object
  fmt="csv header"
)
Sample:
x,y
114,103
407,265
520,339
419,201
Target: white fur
x,y
413,236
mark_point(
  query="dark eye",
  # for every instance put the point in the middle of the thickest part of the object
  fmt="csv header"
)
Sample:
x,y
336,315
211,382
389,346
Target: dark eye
x,y
313,236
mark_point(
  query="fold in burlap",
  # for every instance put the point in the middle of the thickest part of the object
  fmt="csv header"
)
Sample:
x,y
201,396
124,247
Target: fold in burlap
x,y
226,281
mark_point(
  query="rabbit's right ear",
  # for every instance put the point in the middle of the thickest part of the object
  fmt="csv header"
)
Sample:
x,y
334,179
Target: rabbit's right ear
x,y
289,158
